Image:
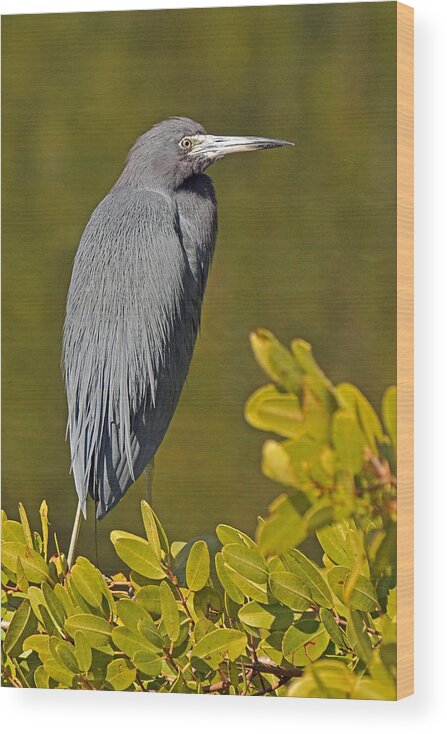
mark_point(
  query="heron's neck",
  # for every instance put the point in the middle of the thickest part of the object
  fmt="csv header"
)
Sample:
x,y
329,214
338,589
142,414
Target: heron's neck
x,y
197,210
149,172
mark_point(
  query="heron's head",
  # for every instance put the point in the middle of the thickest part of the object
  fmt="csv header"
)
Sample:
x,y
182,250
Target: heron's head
x,y
175,149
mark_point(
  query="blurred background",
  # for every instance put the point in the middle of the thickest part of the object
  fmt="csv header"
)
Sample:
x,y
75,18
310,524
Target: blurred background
x,y
307,236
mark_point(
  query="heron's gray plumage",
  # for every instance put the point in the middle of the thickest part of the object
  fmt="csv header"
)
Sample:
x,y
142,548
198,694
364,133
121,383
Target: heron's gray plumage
x,y
133,308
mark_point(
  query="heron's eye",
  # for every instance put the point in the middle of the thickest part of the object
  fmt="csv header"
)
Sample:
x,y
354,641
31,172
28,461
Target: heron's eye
x,y
186,143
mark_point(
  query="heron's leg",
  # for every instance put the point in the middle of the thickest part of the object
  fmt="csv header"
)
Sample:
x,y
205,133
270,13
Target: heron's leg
x,y
149,472
74,535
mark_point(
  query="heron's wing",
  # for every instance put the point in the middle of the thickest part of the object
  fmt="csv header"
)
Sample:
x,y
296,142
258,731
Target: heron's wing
x,y
132,316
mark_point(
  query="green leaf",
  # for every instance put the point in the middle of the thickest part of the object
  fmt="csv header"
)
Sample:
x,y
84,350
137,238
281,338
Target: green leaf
x,y
37,601
96,629
120,674
227,535
358,561
319,515
278,412
12,532
202,627
391,607
304,642
332,539
86,579
169,612
37,543
362,596
53,605
64,653
198,566
277,464
302,352
181,559
22,581
318,404
284,528
382,665
48,622
38,643
131,613
176,547
77,599
25,525
130,642
275,359
312,463
208,603
43,512
148,663
217,645
137,554
290,590
155,534
374,690
358,636
309,574
150,632
272,617
325,679
332,628
348,441
247,562
149,598
83,651
59,673
41,677
271,647
22,625
227,582
35,567
249,588
386,556
353,400
389,413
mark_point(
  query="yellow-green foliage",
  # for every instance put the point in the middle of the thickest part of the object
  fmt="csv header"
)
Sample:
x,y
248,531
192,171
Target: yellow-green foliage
x,y
229,614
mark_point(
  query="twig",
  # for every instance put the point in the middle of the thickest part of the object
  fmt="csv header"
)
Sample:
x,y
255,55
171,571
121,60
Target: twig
x,y
214,687
272,688
10,589
14,682
248,678
382,470
174,580
255,658
255,668
168,654
225,679
280,671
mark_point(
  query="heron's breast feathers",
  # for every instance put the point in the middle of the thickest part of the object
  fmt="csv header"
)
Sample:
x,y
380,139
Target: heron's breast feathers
x,y
131,322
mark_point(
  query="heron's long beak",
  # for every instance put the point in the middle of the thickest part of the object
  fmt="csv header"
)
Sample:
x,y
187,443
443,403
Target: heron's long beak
x,y
216,146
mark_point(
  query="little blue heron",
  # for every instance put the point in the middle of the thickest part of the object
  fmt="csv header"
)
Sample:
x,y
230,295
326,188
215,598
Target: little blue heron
x,y
134,304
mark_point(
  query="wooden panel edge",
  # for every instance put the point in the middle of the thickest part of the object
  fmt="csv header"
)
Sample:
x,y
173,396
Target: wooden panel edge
x,y
405,291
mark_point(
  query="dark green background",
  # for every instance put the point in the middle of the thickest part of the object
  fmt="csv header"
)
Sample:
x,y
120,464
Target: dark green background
x,y
307,235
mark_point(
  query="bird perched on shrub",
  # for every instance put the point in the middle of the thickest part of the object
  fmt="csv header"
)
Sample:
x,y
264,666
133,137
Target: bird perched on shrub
x,y
134,303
